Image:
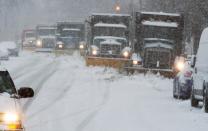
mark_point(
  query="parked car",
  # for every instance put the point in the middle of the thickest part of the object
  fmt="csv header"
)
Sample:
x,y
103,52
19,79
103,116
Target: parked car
x,y
13,51
10,111
4,55
200,74
182,83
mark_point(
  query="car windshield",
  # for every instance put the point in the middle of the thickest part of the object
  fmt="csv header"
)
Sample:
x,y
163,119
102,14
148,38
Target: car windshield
x,y
6,83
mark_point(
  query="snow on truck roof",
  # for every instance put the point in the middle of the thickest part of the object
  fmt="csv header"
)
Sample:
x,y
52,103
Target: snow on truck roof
x,y
110,42
161,13
71,29
109,14
158,44
160,23
110,25
109,37
158,39
47,27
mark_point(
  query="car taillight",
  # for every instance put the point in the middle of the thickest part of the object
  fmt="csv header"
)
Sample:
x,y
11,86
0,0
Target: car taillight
x,y
188,74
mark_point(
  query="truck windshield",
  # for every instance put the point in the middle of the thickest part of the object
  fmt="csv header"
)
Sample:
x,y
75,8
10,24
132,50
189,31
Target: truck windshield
x,y
106,31
70,33
164,33
97,41
30,35
46,32
6,83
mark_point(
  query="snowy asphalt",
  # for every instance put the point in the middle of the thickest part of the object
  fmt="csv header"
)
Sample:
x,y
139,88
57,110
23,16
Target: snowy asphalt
x,y
72,97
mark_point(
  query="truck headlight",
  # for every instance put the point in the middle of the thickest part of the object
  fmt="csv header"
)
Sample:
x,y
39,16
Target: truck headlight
x,y
81,46
180,66
10,117
135,62
126,54
60,46
39,43
94,52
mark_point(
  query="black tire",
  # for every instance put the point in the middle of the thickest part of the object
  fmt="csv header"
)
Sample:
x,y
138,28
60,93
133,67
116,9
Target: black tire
x,y
174,89
206,100
194,102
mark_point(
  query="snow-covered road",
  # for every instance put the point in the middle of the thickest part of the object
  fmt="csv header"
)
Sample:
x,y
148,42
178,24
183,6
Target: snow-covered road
x,y
72,97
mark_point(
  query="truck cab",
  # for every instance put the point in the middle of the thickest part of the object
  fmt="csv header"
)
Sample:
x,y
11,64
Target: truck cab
x,y
45,38
108,39
69,35
158,41
11,113
28,38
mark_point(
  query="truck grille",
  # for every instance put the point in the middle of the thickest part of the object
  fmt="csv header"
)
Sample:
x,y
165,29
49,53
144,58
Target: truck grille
x,y
152,57
48,43
107,49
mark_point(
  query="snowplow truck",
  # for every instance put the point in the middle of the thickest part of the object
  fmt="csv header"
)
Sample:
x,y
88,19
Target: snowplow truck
x,y
69,35
45,38
28,39
159,40
108,40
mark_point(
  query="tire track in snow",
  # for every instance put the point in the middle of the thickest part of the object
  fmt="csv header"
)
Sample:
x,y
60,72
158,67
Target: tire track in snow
x,y
24,70
57,98
48,72
93,114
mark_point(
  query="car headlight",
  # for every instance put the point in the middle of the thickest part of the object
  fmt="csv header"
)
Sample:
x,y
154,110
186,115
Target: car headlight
x,y
180,66
39,43
126,54
81,46
10,117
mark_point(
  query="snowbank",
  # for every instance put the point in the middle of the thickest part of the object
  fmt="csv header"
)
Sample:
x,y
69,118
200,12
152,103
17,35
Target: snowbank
x,y
4,46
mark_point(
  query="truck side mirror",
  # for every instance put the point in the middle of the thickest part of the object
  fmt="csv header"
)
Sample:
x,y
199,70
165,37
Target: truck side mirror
x,y
25,92
195,70
193,61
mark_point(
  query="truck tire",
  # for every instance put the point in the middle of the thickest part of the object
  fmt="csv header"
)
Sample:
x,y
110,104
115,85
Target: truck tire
x,y
206,99
194,102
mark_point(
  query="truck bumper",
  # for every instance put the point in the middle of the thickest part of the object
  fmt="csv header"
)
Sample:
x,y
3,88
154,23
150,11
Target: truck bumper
x,y
164,72
64,51
47,50
107,62
29,48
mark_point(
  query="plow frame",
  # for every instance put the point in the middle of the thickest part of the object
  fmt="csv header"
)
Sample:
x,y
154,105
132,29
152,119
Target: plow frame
x,y
118,63
59,52
169,73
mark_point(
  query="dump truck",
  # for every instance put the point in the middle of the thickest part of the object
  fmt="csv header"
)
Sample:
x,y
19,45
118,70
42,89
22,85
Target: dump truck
x,y
69,35
108,40
45,38
158,42
28,39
